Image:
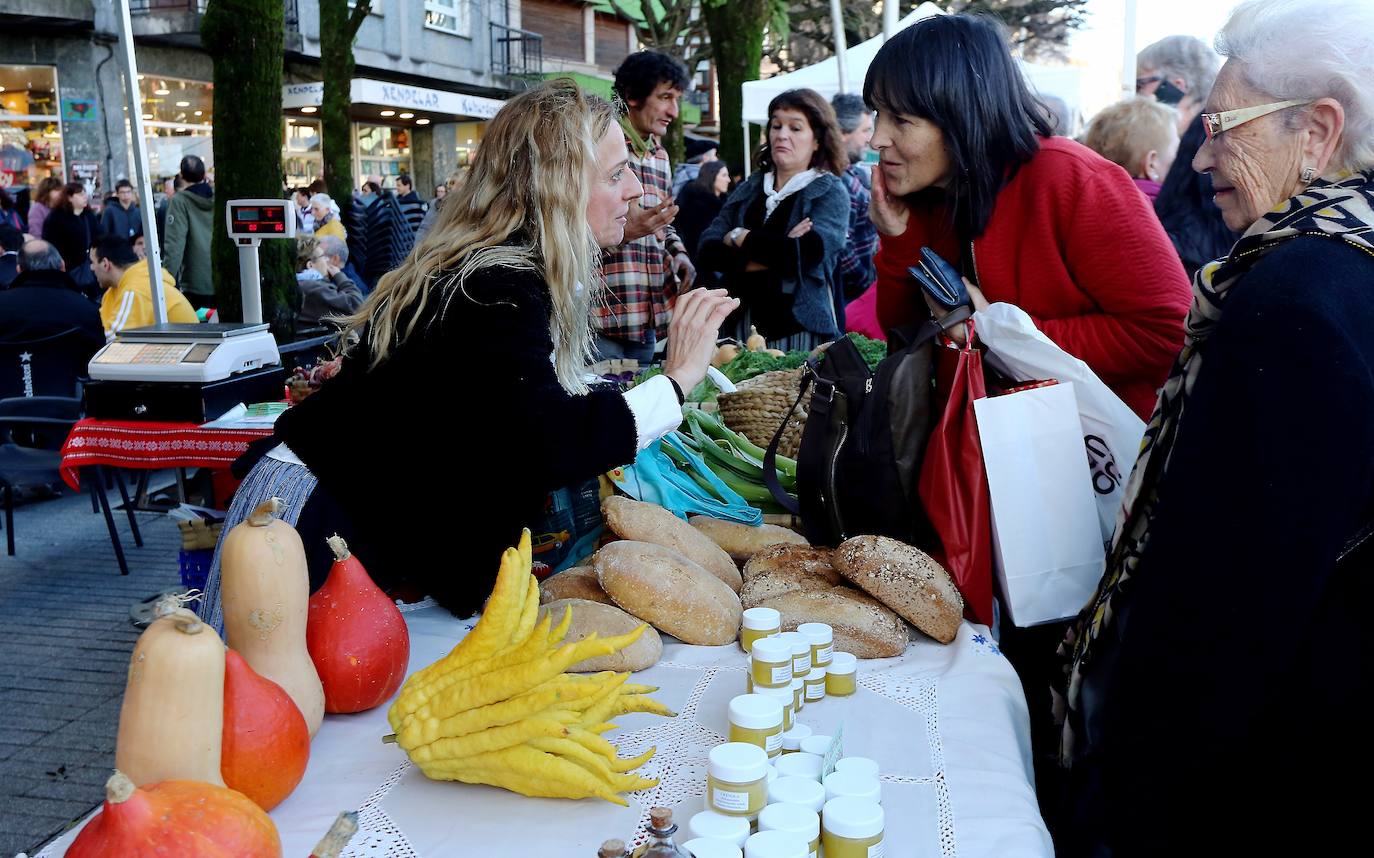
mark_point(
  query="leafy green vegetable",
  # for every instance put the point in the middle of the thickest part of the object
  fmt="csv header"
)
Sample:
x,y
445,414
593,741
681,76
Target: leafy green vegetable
x,y
873,351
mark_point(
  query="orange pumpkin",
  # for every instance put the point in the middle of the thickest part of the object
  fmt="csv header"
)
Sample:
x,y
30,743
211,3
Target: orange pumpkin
x,y
266,742
176,818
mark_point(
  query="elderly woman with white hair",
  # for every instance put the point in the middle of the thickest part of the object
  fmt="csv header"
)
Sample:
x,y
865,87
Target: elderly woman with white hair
x,y
1217,696
326,213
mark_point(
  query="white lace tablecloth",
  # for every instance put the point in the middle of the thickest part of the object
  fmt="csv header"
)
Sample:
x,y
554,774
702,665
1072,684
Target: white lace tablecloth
x,y
947,724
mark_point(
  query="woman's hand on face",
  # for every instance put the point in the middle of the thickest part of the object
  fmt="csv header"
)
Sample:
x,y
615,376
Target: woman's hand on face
x,y
693,332
889,214
958,332
802,228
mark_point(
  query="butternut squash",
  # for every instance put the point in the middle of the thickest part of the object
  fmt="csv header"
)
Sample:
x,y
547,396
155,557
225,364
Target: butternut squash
x,y
171,721
265,593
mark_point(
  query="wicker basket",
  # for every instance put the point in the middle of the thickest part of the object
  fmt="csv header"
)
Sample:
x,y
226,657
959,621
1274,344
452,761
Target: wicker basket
x,y
760,405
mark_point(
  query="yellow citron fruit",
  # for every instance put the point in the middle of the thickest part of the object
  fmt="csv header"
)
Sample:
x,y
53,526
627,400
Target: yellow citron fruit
x,y
500,708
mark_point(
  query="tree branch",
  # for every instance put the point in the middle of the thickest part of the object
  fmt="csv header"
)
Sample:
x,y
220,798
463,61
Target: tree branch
x,y
361,9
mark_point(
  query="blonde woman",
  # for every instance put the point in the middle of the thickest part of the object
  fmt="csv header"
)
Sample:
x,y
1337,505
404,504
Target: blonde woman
x,y
465,400
1139,134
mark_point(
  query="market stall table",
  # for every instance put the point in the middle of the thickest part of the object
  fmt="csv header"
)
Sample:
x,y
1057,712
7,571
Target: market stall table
x,y
947,724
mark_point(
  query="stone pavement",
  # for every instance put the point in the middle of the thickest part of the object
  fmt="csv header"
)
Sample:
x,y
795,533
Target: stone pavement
x,y
65,639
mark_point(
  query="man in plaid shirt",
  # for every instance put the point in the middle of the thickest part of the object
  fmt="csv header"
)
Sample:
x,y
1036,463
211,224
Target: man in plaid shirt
x,y
645,273
856,260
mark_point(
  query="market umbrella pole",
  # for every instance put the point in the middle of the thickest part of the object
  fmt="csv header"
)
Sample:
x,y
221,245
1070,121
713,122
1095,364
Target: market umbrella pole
x,y
837,24
145,188
891,9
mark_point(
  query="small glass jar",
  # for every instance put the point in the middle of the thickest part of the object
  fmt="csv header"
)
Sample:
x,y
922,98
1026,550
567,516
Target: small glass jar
x,y
770,663
841,679
737,780
709,825
855,784
758,623
775,844
815,685
794,819
822,640
852,828
857,765
758,720
704,847
817,744
798,694
803,792
792,739
801,652
787,699
799,765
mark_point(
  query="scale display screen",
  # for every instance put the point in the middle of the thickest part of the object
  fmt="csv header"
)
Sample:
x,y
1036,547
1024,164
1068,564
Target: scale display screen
x,y
258,219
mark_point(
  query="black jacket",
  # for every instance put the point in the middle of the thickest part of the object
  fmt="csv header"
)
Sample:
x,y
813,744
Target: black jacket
x,y
73,235
1228,713
438,468
697,208
116,220
1186,210
40,304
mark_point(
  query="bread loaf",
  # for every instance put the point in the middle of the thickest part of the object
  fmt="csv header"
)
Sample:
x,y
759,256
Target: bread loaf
x,y
771,583
860,624
675,595
742,541
793,559
607,621
646,522
578,582
905,579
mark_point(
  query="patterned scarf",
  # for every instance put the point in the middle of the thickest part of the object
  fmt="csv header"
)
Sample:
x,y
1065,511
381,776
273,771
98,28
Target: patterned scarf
x,y
1341,210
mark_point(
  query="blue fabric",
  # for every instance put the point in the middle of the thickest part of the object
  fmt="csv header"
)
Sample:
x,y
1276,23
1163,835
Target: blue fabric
x,y
653,478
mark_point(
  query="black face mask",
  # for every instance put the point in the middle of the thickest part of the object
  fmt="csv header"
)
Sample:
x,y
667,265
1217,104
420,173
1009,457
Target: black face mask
x,y
1169,94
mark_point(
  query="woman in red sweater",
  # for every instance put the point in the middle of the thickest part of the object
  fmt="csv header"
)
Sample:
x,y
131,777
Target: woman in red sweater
x,y
969,168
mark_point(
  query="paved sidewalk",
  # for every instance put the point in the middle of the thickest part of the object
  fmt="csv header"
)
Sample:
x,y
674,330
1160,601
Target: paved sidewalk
x,y
65,639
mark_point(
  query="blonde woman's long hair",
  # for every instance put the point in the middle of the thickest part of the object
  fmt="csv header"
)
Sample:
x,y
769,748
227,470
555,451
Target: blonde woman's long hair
x,y
523,205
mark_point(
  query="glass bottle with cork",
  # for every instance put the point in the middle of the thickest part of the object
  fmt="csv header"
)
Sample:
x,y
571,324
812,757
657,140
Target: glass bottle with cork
x,y
661,830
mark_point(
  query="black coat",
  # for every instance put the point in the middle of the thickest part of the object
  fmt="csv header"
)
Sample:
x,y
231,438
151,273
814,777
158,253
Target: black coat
x,y
1186,209
73,235
40,304
697,208
434,465
1228,711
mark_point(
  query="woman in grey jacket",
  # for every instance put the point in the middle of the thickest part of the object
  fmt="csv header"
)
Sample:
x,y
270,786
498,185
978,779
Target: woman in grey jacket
x,y
776,241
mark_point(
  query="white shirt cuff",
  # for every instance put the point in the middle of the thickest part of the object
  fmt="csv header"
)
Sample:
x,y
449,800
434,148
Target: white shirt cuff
x,y
655,408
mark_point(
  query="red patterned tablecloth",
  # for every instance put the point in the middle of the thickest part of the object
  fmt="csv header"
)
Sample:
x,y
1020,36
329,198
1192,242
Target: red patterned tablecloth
x,y
141,444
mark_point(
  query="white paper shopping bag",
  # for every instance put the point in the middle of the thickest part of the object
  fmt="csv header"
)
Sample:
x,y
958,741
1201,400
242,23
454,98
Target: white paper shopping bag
x,y
1047,545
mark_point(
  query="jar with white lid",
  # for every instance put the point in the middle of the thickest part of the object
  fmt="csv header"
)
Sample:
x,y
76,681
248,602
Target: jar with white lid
x,y
709,825
758,623
822,640
803,792
737,779
775,844
758,720
794,819
702,847
771,662
841,675
852,828
855,784
798,694
801,652
857,765
786,698
815,685
792,739
799,765
816,744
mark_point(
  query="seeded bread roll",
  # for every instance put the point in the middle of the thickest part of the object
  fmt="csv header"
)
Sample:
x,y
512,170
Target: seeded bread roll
x,y
905,579
647,522
664,588
770,583
742,541
860,624
607,621
793,559
579,582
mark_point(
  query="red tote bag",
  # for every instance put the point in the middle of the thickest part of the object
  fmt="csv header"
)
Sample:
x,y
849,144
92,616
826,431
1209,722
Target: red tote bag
x,y
954,486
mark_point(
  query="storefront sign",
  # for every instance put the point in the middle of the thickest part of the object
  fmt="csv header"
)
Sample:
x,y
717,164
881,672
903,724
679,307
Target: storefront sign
x,y
294,95
88,174
396,95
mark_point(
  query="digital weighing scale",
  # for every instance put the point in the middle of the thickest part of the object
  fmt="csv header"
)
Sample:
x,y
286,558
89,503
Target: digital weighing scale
x,y
180,372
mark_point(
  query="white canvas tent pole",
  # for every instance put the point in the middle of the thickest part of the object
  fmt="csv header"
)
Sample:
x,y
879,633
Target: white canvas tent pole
x,y
746,148
144,185
837,24
1128,70
891,10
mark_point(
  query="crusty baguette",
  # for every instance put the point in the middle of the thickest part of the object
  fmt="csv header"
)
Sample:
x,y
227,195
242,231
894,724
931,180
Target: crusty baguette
x,y
771,583
664,588
607,621
742,541
578,582
647,522
905,579
793,559
860,624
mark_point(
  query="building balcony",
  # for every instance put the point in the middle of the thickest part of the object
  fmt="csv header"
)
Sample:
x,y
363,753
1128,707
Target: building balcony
x,y
178,21
516,53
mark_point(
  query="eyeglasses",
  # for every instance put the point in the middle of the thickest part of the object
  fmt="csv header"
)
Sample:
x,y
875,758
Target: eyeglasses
x,y
1216,123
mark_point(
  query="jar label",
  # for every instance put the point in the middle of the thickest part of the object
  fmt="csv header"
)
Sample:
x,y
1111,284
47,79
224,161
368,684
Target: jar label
x,y
801,664
823,655
772,743
876,850
725,799
782,675
815,691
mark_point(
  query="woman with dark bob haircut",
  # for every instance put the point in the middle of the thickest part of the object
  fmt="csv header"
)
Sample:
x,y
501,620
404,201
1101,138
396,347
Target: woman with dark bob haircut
x,y
778,236
969,168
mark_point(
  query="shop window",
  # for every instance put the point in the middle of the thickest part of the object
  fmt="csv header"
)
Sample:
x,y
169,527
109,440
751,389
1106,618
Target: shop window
x,y
302,155
383,151
449,16
31,125
177,121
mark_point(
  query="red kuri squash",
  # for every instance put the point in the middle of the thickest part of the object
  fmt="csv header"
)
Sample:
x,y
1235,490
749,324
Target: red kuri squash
x,y
176,818
356,637
266,742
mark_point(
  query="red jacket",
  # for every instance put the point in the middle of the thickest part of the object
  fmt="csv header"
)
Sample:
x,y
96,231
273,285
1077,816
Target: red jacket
x,y
1075,244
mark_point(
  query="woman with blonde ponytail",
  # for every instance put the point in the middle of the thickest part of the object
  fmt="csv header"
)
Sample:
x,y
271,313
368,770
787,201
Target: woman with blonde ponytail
x,y
463,399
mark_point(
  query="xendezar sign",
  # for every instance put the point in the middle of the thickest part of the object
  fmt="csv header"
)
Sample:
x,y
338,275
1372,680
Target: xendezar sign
x,y
397,95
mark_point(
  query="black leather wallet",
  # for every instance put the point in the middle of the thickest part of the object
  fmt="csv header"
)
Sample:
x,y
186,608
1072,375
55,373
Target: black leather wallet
x,y
940,280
